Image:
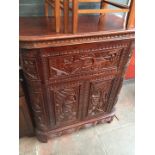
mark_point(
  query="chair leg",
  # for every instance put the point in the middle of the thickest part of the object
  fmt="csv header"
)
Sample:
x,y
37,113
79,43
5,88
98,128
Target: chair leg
x,y
57,15
103,6
75,15
130,23
46,8
66,15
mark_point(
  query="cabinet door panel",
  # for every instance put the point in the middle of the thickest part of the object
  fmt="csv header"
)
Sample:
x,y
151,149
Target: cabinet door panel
x,y
99,94
66,99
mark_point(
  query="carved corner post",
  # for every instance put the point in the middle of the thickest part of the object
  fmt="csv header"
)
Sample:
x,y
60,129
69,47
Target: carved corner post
x,y
30,65
118,82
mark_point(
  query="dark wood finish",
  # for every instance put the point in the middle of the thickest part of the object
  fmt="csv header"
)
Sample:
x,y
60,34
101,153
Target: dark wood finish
x,y
25,122
73,79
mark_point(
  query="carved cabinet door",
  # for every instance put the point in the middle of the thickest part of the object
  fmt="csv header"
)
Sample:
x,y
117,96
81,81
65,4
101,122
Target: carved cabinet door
x,y
99,97
66,102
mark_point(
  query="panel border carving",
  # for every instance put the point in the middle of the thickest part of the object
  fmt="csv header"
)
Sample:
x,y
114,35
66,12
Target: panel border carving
x,y
112,46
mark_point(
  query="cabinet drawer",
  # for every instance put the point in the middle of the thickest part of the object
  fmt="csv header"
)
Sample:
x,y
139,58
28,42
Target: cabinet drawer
x,y
83,59
84,63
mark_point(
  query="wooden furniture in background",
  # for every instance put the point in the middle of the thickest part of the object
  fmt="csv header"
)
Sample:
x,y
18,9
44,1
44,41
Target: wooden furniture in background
x,y
129,9
25,121
56,5
102,10
73,80
131,16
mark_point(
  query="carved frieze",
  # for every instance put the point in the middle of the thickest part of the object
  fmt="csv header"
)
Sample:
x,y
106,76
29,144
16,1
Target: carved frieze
x,y
84,63
56,42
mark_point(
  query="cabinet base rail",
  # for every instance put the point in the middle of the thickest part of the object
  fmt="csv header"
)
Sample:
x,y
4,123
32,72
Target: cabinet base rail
x,y
43,136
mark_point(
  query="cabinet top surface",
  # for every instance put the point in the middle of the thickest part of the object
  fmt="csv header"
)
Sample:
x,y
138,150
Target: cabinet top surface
x,y
42,28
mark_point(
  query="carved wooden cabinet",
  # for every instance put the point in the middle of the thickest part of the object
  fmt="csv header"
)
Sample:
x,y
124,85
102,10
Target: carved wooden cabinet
x,y
73,80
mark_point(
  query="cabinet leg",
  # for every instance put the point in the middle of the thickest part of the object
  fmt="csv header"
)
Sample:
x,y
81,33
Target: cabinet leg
x,y
41,136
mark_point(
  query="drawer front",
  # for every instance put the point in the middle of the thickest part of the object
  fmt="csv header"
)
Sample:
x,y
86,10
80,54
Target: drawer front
x,y
83,59
84,63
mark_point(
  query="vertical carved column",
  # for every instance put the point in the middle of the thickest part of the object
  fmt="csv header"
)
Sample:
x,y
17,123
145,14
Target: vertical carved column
x,y
30,64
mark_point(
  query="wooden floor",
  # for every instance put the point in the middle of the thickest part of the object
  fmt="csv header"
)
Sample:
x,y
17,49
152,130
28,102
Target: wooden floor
x,y
116,138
